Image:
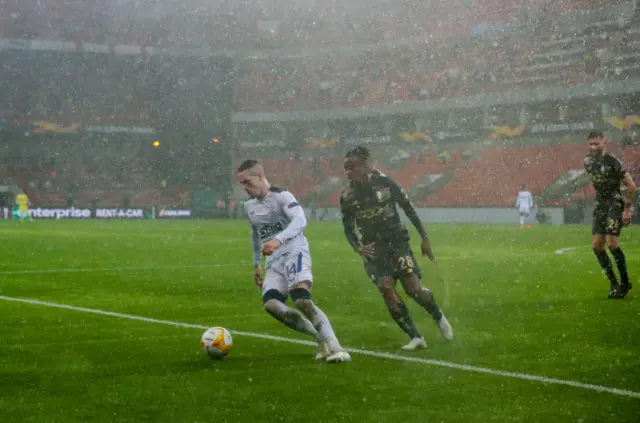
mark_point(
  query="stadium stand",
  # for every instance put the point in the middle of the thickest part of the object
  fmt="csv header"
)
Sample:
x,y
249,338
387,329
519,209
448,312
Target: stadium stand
x,y
376,56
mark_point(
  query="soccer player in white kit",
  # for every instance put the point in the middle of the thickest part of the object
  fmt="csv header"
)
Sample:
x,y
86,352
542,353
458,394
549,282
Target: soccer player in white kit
x,y
524,204
277,225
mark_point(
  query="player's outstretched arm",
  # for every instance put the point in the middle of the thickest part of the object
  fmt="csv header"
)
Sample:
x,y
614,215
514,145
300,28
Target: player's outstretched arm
x,y
255,241
349,225
627,180
632,190
295,213
257,256
400,196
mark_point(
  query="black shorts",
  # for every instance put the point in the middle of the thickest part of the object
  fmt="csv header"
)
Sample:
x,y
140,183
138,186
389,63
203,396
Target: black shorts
x,y
607,219
395,260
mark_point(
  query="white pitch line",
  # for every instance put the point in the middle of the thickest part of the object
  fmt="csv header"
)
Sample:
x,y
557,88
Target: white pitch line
x,y
566,249
390,356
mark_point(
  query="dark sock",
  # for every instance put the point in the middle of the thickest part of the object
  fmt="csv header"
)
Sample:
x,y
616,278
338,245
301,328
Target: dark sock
x,y
426,299
605,263
400,314
621,263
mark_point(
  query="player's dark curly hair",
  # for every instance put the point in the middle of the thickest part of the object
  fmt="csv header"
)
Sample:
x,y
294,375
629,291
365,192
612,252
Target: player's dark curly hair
x,y
595,134
361,152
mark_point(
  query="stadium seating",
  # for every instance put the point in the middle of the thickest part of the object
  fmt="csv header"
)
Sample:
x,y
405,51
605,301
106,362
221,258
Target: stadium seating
x,y
450,67
371,59
492,178
402,71
495,177
263,23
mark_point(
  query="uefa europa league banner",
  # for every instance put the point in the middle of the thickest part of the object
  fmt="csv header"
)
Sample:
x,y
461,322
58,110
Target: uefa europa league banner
x,y
47,127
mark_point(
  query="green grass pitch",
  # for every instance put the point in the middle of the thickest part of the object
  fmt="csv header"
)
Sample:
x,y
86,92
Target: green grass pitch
x,y
515,306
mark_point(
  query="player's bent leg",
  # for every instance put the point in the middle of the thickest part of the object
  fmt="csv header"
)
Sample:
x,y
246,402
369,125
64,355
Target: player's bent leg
x,y
424,297
613,243
400,313
329,349
273,303
598,243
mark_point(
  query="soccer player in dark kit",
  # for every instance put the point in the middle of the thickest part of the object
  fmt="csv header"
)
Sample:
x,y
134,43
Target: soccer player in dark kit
x,y
612,211
368,204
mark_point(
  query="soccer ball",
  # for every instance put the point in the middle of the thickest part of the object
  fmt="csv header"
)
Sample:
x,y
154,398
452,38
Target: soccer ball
x,y
216,342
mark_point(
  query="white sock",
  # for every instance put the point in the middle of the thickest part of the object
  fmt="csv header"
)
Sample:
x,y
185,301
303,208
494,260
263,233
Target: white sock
x,y
323,326
522,220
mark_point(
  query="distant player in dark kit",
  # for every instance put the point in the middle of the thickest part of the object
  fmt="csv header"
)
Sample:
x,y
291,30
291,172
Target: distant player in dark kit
x,y
369,205
612,211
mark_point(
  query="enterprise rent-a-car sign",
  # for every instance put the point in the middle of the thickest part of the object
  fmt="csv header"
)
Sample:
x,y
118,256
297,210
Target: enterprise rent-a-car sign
x,y
71,213
84,213
119,213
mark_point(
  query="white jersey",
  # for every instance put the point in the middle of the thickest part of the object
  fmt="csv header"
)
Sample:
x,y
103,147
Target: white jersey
x,y
277,215
525,201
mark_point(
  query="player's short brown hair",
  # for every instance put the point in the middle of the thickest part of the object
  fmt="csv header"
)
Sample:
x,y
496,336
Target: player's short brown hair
x,y
246,165
595,134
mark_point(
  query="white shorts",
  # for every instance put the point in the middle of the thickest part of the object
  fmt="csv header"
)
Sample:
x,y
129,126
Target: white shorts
x,y
525,211
288,271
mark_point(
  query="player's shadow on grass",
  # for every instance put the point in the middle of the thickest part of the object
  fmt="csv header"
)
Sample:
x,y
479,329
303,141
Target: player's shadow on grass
x,y
241,362
196,363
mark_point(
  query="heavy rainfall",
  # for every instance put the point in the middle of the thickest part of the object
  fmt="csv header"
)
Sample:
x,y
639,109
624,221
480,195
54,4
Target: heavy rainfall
x,y
205,205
